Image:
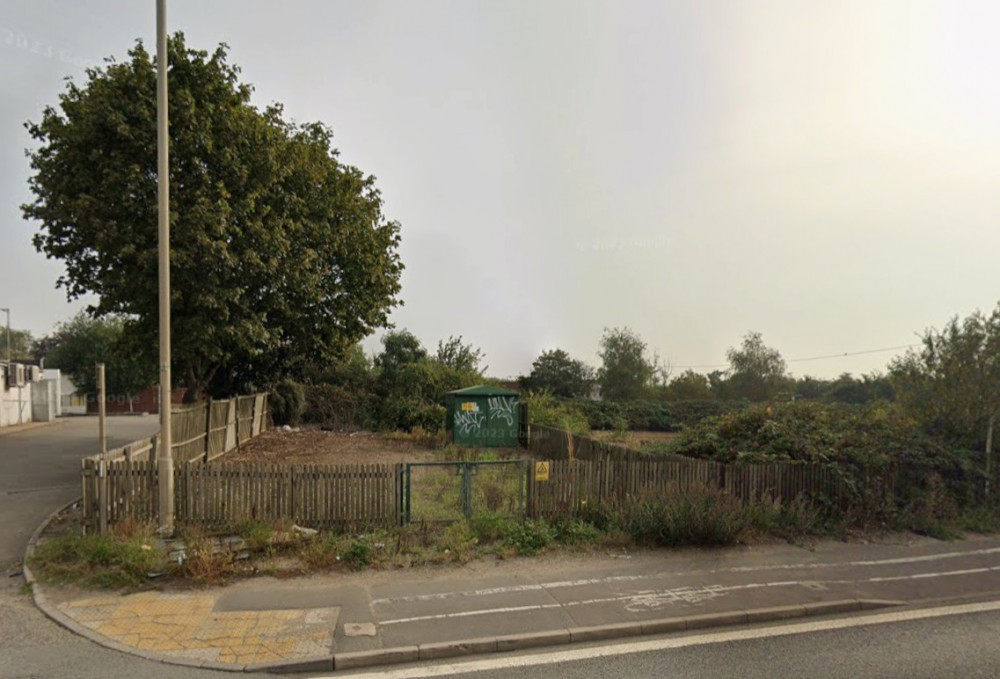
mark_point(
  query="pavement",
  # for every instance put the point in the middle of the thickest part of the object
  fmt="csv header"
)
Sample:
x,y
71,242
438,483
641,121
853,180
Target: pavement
x,y
27,426
343,621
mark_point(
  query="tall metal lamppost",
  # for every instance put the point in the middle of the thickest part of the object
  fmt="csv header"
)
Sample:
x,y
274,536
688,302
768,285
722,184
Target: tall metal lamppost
x,y
164,455
7,311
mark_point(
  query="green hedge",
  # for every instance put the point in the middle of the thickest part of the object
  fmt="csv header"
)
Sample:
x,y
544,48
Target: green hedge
x,y
651,415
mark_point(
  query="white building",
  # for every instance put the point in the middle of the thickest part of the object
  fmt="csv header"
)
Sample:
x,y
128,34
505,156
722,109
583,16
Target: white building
x,y
15,396
27,394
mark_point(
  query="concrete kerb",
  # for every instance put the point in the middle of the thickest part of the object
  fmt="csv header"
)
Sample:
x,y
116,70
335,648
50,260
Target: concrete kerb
x,y
451,649
42,602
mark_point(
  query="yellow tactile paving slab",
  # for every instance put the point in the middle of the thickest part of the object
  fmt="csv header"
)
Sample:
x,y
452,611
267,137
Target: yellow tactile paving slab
x,y
185,626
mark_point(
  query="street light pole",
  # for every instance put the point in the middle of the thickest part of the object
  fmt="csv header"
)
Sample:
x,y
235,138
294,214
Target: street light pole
x,y
164,456
7,311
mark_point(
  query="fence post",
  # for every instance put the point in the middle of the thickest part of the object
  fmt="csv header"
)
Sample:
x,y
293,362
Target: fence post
x,y
208,429
102,399
530,486
102,495
236,401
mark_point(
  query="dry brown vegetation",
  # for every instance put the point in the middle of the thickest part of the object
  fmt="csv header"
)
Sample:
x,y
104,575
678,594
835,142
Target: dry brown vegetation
x,y
313,446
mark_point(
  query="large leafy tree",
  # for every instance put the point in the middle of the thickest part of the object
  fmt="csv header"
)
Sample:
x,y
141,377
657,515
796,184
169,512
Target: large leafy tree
x,y
459,356
951,384
21,344
627,371
281,255
756,371
411,385
556,372
79,344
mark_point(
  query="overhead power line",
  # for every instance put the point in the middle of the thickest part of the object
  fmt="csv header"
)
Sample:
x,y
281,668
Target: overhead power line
x,y
810,358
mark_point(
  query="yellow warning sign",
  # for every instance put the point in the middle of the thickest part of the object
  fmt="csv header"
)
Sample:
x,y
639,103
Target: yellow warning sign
x,y
470,407
541,471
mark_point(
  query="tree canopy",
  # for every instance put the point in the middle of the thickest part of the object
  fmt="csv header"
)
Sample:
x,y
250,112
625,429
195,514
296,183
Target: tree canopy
x,y
627,371
951,383
756,371
556,372
689,386
82,342
21,344
281,255
460,356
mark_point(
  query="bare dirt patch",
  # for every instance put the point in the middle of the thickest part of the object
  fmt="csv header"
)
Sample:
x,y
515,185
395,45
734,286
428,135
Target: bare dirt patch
x,y
313,446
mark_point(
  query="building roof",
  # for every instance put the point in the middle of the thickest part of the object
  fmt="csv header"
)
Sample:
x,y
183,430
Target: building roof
x,y
484,390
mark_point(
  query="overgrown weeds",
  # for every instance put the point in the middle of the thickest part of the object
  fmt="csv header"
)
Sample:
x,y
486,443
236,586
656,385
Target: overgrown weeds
x,y
122,558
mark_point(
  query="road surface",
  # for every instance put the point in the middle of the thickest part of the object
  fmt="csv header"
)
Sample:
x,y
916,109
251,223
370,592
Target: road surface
x,y
41,472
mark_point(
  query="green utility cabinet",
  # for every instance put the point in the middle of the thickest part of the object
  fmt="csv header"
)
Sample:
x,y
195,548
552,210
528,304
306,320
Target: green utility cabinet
x,y
484,416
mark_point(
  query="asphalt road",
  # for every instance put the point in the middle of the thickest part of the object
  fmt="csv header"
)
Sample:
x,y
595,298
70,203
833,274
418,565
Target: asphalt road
x,y
41,470
964,645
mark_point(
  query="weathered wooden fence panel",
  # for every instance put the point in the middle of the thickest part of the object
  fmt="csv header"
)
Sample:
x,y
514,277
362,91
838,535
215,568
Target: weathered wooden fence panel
x,y
200,433
573,485
317,496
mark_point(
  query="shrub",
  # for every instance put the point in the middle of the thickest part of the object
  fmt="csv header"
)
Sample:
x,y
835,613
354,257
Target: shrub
x,y
701,517
358,554
530,536
491,527
650,415
546,410
288,403
336,406
576,532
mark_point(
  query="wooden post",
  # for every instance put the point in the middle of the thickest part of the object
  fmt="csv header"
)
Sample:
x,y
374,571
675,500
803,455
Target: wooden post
x,y
102,495
102,398
208,429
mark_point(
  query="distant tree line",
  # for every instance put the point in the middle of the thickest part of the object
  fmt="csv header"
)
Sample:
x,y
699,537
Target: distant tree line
x,y
628,371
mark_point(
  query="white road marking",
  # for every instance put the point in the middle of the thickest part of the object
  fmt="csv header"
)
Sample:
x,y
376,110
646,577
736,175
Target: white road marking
x,y
549,658
560,584
656,599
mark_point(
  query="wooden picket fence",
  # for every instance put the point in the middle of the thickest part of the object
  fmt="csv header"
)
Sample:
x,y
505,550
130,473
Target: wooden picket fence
x,y
573,485
212,493
115,482
317,496
219,494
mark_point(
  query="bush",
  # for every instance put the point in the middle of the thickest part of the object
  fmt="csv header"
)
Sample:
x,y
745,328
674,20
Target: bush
x,y
700,517
546,410
650,415
576,532
429,418
358,554
288,403
530,536
336,406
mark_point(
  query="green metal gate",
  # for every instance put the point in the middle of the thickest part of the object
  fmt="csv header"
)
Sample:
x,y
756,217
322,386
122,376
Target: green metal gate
x,y
447,491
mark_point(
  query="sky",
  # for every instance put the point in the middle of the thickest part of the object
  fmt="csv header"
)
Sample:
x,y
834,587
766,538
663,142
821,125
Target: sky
x,y
824,173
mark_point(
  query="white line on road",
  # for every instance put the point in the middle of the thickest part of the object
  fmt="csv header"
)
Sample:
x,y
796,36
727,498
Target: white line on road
x,y
560,584
656,599
510,662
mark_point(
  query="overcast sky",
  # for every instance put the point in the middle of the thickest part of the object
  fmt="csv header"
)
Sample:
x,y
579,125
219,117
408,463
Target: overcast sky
x,y
824,173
